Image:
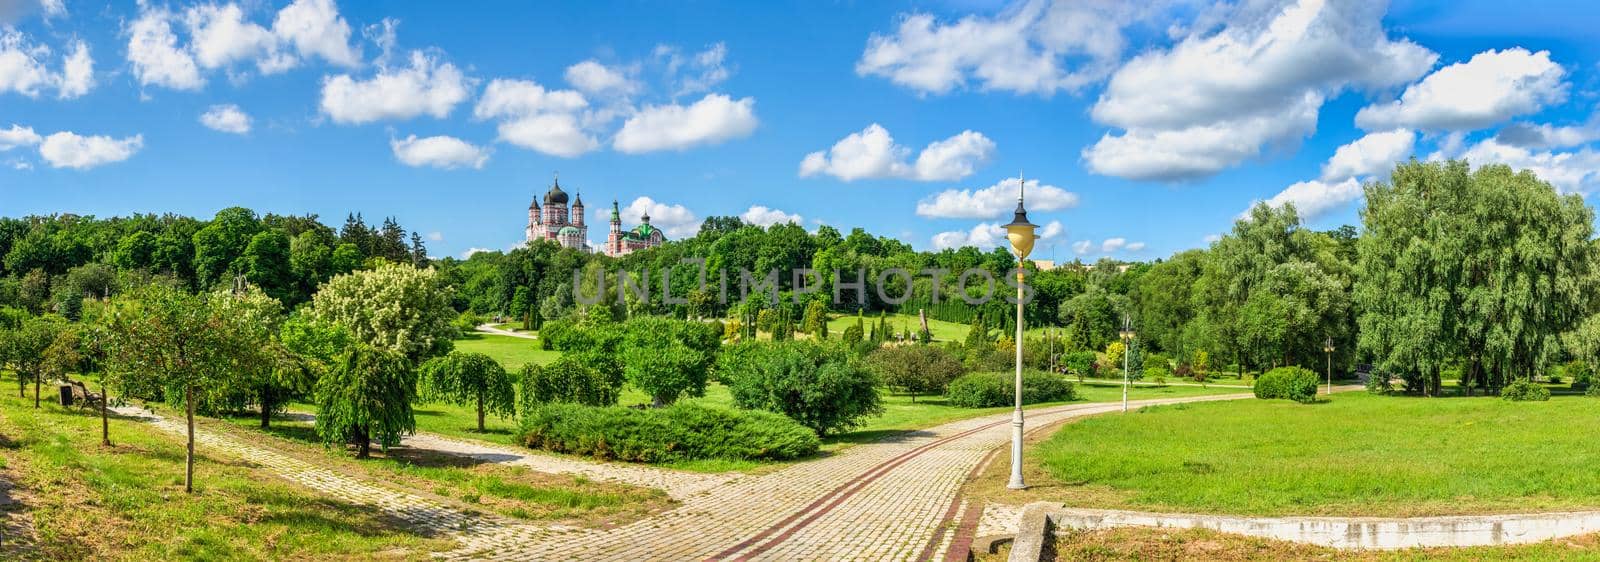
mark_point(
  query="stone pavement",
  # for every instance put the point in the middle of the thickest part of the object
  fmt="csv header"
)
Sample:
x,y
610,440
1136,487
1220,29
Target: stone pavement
x,y
895,499
490,329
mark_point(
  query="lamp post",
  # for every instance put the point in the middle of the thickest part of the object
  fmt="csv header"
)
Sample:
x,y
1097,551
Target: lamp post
x,y
1021,235
1327,347
1127,352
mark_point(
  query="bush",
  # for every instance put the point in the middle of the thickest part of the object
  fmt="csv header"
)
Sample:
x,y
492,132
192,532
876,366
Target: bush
x,y
1593,392
1291,383
678,432
467,322
1081,363
1379,383
822,386
565,380
1581,375
1525,391
987,390
667,358
919,369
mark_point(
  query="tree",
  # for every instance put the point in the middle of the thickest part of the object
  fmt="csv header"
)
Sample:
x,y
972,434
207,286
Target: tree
x,y
395,307
176,341
469,379
565,380
919,369
365,397
223,241
267,264
1114,352
822,386
267,372
27,346
816,320
667,358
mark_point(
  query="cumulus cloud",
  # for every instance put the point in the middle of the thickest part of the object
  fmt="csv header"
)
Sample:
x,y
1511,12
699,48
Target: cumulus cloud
x,y
70,150
760,215
1576,171
873,154
220,36
594,78
1035,48
1313,198
537,119
694,73
315,28
156,57
53,8
24,69
989,235
712,120
226,118
426,87
1082,247
1544,135
438,152
995,201
675,220
1372,155
18,136
1217,99
1492,87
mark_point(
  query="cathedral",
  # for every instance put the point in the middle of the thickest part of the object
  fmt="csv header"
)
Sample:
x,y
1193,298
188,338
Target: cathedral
x,y
563,224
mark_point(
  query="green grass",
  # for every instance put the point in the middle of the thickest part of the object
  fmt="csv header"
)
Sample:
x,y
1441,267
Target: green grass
x,y
511,352
127,502
942,331
1356,454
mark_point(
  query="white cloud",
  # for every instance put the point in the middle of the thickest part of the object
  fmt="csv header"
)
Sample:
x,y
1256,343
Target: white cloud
x,y
1052,230
675,220
157,59
523,98
995,201
220,36
427,86
435,236
761,215
1313,198
315,28
1134,246
1528,135
18,136
1372,155
556,134
77,72
227,118
1215,100
1490,88
70,150
1035,48
1082,247
1113,244
985,236
54,8
693,74
595,78
468,253
1571,171
712,120
23,69
872,153
439,152
1212,238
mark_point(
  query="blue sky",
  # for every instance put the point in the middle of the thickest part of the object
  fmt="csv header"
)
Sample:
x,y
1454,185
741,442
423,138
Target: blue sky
x,y
1150,125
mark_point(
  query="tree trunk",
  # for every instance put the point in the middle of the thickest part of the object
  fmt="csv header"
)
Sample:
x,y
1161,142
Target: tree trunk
x,y
105,421
363,444
266,408
188,459
480,411
36,390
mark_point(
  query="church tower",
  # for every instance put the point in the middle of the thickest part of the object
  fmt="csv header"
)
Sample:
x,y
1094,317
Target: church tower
x,y
535,221
614,239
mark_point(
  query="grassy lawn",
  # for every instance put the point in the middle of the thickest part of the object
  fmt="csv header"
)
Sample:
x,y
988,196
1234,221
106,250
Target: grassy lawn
x,y
505,489
1357,454
511,352
942,331
127,502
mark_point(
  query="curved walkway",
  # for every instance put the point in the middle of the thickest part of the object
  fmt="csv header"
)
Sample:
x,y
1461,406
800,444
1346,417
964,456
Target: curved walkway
x,y
490,329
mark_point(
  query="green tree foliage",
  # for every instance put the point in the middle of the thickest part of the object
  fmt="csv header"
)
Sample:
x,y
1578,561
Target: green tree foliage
x,y
219,244
565,380
668,358
1485,266
917,369
267,373
1289,383
468,379
267,264
816,320
367,396
395,307
26,345
687,431
824,387
989,390
1162,301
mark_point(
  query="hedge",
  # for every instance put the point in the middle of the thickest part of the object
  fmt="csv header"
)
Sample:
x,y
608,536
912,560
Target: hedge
x,y
1525,391
1290,383
679,432
987,390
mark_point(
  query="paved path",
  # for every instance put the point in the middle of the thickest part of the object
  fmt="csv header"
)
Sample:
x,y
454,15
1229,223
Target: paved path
x,y
679,485
490,329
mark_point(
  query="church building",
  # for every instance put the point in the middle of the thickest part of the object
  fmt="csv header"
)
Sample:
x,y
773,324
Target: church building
x,y
564,224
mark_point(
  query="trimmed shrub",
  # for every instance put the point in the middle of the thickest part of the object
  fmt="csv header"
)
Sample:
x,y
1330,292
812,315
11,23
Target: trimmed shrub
x,y
565,380
679,432
1525,391
1289,383
988,390
822,386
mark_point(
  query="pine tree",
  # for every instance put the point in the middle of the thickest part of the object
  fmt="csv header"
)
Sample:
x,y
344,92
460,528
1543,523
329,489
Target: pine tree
x,y
419,252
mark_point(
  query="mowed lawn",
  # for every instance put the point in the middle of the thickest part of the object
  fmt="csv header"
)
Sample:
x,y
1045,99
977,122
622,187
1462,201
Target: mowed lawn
x,y
1357,454
512,352
942,331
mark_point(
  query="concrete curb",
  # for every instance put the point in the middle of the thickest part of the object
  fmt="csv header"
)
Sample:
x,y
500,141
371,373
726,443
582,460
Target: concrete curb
x,y
1039,520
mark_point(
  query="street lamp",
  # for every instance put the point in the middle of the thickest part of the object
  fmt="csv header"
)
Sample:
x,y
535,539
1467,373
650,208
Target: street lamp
x,y
1127,335
1327,347
1020,234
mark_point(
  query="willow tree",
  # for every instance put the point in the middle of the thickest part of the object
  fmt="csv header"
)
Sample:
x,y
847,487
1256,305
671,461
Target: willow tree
x,y
1487,267
469,379
367,397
